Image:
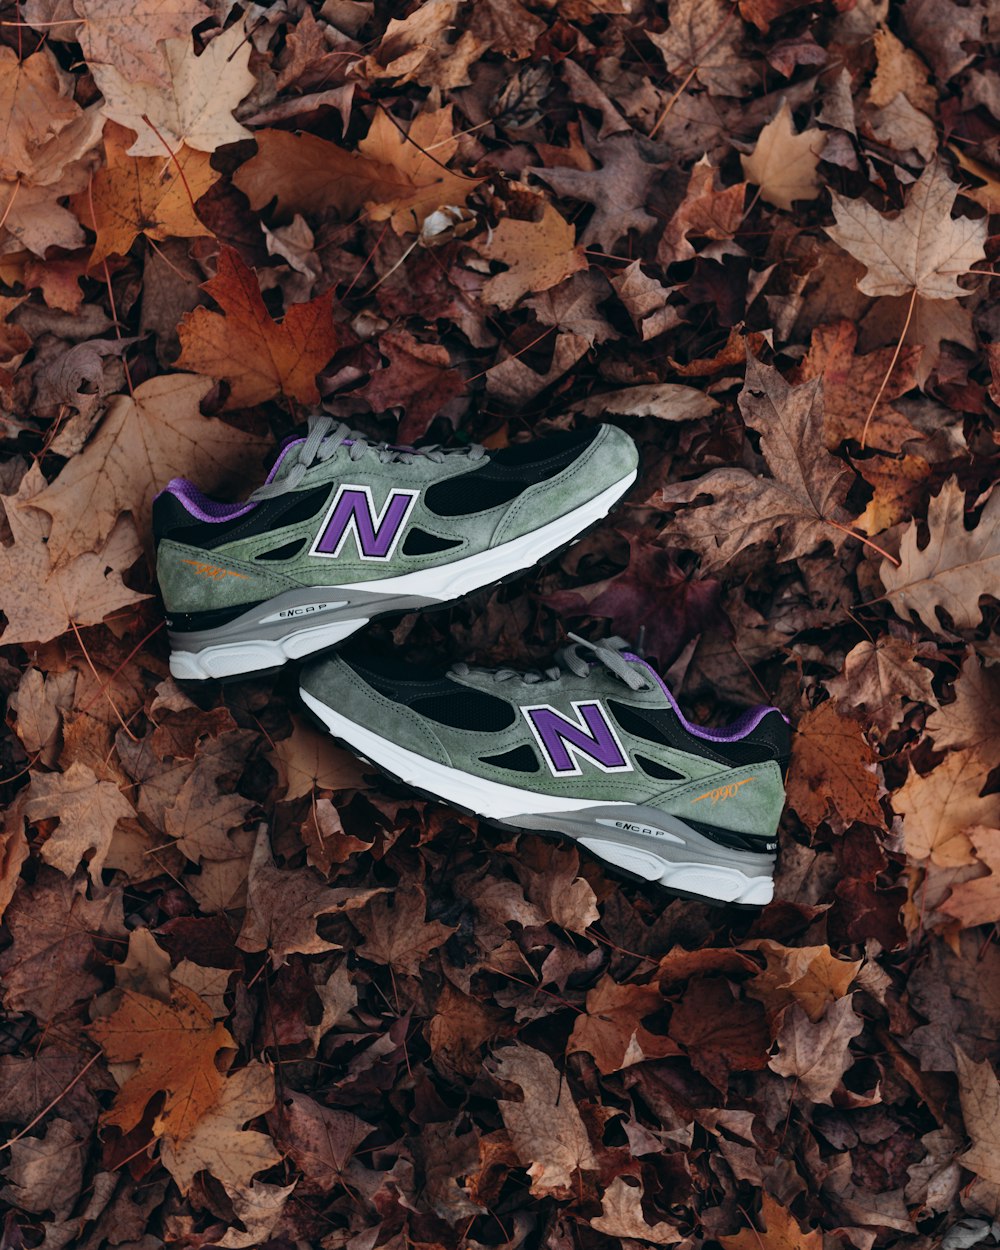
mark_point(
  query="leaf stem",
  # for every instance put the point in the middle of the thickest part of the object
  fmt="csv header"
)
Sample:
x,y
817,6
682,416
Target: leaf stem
x,y
888,372
863,538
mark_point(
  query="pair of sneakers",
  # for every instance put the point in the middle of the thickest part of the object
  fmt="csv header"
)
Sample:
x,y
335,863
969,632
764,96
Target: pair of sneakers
x,y
345,529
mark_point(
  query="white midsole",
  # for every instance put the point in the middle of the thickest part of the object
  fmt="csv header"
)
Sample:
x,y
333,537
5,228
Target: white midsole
x,y
439,584
496,801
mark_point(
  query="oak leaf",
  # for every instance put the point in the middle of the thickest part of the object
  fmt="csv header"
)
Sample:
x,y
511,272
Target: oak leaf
x,y
538,255
41,599
196,107
817,1054
611,1030
128,38
802,502
956,568
781,1231
832,774
144,440
545,1127
217,1142
851,383
939,808
133,195
979,1092
257,356
621,1216
176,1045
977,901
398,935
922,249
88,810
878,677
783,164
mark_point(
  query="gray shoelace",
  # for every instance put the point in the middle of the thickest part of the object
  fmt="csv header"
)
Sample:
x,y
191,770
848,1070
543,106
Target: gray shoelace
x,y
608,653
326,436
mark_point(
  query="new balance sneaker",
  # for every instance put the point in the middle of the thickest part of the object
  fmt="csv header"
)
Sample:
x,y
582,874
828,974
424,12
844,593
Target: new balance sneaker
x,y
345,529
595,748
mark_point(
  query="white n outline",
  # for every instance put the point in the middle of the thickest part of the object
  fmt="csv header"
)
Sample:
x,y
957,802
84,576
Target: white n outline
x,y
575,753
375,516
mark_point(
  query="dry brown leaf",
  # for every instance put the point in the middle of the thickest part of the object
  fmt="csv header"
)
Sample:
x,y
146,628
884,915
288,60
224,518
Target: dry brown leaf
x,y
898,485
878,676
46,1171
979,1092
706,36
308,760
956,568
88,810
900,69
781,1231
38,703
977,901
13,853
128,39
545,1126
176,1045
938,809
133,195
458,1030
143,441
398,935
611,1029
706,212
833,771
811,976
36,103
196,107
970,719
42,600
817,1054
922,249
621,1216
783,163
538,255
257,1206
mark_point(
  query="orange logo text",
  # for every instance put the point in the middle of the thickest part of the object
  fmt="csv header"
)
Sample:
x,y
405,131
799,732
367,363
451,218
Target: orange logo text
x,y
721,793
211,570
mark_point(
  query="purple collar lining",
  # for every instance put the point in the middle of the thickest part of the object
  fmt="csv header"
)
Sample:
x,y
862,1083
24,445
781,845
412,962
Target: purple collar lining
x,y
728,733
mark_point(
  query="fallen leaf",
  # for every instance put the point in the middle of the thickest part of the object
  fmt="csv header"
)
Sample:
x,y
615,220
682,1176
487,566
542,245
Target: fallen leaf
x,y
811,976
320,1140
720,1033
459,1029
398,935
956,568
257,356
977,901
309,760
611,1029
88,810
899,69
706,211
878,676
833,774
195,108
665,400
621,1216
258,1207
545,1127
970,719
130,41
175,1045
979,1092
538,255
46,1172
43,599
817,1054
133,195
418,378
781,1231
36,102
143,440
783,163
705,38
922,249
938,809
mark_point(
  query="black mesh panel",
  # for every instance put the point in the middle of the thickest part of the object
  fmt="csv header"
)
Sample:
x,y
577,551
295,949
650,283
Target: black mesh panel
x,y
521,760
660,771
462,708
420,543
286,552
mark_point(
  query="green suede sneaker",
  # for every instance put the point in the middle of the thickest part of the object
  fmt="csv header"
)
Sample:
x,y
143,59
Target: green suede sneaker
x,y
345,529
595,748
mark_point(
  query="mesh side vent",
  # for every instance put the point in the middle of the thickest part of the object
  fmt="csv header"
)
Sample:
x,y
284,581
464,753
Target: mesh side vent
x,y
660,771
420,543
285,552
467,709
521,760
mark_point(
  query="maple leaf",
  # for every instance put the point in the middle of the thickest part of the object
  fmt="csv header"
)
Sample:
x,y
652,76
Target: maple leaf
x,y
143,440
36,103
133,195
899,69
811,976
705,37
719,1032
257,1206
923,249
851,384
320,1140
783,164
202,814
195,108
979,1092
977,901
878,676
545,1128
419,379
939,808
129,40
309,760
88,810
46,1172
832,774
217,1141
283,907
612,1031
396,174
954,570
781,1231
538,255
817,1054
175,1044
41,600
706,212
621,1216
803,502
458,1030
970,720
257,356
398,935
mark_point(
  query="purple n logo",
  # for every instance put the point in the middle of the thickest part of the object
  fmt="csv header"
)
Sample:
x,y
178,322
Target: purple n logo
x,y
565,742
375,533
